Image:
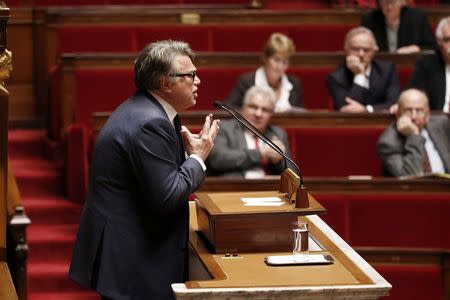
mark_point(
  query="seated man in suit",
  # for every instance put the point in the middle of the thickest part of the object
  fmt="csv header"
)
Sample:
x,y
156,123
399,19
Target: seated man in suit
x,y
417,143
362,83
237,152
432,72
398,27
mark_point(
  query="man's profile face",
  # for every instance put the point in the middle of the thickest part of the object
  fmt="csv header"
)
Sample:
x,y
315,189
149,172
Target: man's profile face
x,y
362,45
414,106
444,44
184,89
258,111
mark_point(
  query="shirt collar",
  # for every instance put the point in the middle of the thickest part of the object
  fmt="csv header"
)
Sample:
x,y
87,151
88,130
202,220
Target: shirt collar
x,y
168,108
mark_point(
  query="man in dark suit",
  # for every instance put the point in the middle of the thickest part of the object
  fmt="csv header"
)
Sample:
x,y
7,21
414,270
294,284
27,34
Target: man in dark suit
x,y
399,28
132,239
238,152
363,84
417,143
432,72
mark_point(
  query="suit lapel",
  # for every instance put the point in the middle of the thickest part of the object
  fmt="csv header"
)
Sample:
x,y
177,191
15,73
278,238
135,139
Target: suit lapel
x,y
437,135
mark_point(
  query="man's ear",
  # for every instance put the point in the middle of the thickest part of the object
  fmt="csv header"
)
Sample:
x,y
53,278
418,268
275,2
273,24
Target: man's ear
x,y
165,84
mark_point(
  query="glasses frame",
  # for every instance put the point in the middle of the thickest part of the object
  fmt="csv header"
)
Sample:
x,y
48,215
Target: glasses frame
x,y
192,75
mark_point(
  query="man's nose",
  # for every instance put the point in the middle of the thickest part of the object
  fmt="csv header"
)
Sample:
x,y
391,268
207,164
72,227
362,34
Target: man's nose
x,y
258,112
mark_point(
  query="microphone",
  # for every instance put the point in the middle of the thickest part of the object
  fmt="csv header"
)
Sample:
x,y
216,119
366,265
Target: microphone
x,y
260,135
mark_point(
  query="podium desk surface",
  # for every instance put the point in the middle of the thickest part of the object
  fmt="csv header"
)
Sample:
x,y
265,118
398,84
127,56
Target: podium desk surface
x,y
247,276
230,203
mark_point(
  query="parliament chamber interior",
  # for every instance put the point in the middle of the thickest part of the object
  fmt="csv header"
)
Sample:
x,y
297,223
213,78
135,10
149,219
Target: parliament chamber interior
x,y
73,65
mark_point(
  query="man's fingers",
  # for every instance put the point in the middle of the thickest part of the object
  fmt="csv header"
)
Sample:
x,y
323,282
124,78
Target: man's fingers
x,y
207,125
214,129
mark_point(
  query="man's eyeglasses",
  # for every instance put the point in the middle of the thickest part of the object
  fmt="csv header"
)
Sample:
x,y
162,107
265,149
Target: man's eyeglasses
x,y
191,75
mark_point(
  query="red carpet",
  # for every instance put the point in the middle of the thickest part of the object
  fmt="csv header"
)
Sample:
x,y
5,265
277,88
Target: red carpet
x,y
54,219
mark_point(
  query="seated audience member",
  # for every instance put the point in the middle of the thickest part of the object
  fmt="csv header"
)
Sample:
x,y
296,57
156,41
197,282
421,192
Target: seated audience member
x,y
363,83
398,27
417,143
432,72
238,152
272,74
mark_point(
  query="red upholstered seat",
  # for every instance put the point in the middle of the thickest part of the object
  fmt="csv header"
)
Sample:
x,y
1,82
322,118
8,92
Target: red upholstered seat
x,y
417,282
244,37
96,39
336,151
418,221
315,91
198,36
319,37
99,90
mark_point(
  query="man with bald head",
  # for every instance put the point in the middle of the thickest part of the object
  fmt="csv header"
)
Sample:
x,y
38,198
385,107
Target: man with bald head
x,y
363,83
417,143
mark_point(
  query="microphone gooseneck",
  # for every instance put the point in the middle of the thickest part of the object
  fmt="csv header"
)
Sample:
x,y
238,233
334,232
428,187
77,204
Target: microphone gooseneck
x,y
255,131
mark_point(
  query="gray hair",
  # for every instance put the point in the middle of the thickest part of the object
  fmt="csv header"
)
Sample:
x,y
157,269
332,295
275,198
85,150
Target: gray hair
x,y
359,30
156,60
258,90
440,27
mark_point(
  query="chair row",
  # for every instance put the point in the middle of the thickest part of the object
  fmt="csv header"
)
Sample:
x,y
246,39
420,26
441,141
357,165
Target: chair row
x,y
82,85
319,150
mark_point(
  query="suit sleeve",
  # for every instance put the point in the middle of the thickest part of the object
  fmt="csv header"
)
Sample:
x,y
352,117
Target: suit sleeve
x,y
419,75
339,92
392,89
426,37
401,158
154,158
296,96
226,158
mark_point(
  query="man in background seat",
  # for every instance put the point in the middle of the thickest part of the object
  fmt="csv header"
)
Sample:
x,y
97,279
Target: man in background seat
x,y
432,72
238,152
417,143
362,83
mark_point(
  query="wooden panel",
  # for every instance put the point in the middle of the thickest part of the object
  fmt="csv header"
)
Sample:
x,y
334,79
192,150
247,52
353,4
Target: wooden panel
x,y
22,102
195,119
226,59
331,185
230,226
164,15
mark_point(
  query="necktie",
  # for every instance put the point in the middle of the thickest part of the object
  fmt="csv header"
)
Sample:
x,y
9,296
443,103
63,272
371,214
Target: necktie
x,y
177,124
426,163
265,162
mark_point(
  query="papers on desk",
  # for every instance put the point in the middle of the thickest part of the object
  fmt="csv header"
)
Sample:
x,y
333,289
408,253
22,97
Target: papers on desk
x,y
263,201
287,260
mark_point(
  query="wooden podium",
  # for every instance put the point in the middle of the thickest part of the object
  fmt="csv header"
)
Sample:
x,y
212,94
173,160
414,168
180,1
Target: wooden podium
x,y
229,242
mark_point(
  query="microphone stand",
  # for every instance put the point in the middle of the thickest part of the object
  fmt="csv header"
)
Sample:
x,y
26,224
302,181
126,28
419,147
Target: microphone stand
x,y
289,180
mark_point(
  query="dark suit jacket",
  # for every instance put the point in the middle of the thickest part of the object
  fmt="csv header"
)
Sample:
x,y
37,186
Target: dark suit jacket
x,y
230,155
403,156
413,29
247,80
132,239
429,76
384,86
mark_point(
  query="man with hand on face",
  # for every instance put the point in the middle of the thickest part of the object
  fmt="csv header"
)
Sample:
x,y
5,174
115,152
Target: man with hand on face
x,y
417,144
133,234
238,152
363,84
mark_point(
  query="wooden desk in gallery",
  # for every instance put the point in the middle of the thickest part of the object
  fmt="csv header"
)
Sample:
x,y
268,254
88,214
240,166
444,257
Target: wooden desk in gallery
x,y
245,276
366,184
